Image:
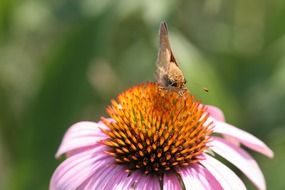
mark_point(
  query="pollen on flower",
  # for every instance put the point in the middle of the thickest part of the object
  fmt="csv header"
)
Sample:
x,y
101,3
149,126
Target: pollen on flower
x,y
155,130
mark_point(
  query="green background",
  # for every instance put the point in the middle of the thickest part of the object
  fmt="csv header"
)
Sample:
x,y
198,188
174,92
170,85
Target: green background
x,y
62,61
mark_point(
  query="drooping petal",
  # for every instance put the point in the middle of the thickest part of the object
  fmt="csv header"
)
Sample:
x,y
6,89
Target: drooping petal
x,y
148,182
170,182
116,178
218,115
129,182
76,169
80,135
215,113
126,182
243,137
198,177
98,178
241,159
231,140
226,177
110,177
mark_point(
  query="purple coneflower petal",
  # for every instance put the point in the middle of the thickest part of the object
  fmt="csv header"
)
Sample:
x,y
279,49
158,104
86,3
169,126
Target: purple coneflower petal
x,y
226,177
76,169
198,177
215,112
126,181
116,178
232,140
171,182
110,177
137,180
241,159
243,137
80,135
148,182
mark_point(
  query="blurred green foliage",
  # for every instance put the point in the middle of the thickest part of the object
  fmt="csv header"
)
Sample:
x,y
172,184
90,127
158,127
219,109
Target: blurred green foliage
x,y
62,61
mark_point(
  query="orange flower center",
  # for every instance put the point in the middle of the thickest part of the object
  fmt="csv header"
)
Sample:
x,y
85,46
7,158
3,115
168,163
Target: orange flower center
x,y
156,130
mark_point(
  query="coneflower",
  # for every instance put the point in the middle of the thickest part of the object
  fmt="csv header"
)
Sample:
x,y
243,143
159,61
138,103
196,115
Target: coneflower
x,y
155,139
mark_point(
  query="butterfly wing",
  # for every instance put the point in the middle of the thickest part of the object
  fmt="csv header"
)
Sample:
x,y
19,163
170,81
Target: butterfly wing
x,y
168,73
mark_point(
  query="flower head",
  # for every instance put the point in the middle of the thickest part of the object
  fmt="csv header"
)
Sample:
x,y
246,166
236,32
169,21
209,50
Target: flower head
x,y
157,139
156,131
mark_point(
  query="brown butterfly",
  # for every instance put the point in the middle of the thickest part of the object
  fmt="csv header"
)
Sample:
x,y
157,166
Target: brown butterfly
x,y
168,74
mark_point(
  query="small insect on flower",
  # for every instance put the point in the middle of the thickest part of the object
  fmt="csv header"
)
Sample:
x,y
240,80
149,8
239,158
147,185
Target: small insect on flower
x,y
168,74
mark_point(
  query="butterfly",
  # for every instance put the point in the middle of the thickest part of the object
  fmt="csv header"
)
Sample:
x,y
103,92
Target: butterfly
x,y
168,74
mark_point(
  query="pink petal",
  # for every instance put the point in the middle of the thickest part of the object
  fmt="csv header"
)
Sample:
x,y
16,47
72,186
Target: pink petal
x,y
218,115
107,178
170,182
240,159
227,178
127,182
80,135
138,181
243,137
198,177
115,177
148,182
215,112
231,140
71,173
